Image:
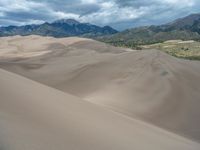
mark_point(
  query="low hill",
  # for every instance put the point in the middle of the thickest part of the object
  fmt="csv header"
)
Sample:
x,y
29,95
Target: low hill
x,y
59,28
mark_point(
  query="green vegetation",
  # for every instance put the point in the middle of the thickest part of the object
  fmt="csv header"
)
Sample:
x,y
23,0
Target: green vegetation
x,y
147,35
178,48
153,37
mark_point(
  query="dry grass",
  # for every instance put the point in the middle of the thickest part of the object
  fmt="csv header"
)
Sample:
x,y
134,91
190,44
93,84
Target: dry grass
x,y
181,49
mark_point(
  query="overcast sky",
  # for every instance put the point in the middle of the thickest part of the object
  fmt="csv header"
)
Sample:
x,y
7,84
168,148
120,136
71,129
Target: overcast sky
x,y
120,14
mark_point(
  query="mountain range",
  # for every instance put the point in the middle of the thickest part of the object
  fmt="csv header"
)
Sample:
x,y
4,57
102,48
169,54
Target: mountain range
x,y
59,28
187,28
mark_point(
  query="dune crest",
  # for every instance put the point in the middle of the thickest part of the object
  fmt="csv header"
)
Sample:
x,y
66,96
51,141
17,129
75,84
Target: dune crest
x,y
148,85
36,116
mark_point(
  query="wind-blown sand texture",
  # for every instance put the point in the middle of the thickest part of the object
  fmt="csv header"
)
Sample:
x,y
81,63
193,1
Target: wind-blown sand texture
x,y
145,85
33,116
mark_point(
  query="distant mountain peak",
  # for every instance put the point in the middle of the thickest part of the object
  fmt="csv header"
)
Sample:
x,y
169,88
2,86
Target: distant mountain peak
x,y
67,21
107,27
186,28
185,21
59,28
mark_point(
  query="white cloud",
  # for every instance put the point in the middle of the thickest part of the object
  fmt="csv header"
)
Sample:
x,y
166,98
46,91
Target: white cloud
x,y
61,15
100,12
111,12
19,5
180,3
1,14
32,21
89,1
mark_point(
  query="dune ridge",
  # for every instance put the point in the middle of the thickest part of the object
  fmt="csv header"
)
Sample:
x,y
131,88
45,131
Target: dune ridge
x,y
34,116
148,85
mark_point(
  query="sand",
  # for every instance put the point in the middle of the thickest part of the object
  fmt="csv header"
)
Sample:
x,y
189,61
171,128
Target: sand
x,y
145,85
34,116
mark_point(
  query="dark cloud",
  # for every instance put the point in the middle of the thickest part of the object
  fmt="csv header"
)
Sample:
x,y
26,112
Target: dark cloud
x,y
120,14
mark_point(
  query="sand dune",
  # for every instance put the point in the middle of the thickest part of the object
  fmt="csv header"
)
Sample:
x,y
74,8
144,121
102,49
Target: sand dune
x,y
148,85
33,116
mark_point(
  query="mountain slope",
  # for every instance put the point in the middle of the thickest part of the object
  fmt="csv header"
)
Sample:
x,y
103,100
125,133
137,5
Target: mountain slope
x,y
147,85
59,28
187,28
184,23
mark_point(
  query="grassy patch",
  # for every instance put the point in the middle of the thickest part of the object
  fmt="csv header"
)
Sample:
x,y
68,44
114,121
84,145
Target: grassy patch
x,y
178,48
